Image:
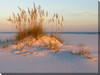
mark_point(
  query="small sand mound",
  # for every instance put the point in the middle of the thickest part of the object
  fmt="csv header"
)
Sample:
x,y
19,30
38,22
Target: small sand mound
x,y
32,43
41,40
47,40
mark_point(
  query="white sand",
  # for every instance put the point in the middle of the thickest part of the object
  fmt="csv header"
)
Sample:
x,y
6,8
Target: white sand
x,y
36,60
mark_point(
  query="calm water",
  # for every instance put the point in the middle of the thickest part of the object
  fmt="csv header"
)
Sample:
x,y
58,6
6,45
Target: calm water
x,y
59,32
10,35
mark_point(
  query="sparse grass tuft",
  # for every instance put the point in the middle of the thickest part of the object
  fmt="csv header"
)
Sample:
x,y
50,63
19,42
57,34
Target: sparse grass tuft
x,y
82,52
82,45
5,44
21,49
70,51
58,38
0,41
56,48
51,46
52,35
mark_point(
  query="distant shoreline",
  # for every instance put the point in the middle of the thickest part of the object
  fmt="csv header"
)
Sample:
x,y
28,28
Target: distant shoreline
x,y
59,32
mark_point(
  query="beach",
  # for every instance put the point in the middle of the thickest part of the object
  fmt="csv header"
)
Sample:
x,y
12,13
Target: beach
x,y
45,61
49,36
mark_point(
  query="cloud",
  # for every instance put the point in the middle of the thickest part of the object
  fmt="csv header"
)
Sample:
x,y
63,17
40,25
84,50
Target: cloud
x,y
80,12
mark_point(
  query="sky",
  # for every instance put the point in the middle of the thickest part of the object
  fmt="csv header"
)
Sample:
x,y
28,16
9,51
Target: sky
x,y
79,15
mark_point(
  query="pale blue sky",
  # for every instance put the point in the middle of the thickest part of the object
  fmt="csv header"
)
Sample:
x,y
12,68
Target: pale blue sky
x,y
79,15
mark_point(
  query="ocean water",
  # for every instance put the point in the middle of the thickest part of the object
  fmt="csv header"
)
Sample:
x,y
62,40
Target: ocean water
x,y
10,35
59,32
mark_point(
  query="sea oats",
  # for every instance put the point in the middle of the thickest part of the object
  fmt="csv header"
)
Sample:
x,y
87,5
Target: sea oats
x,y
56,16
19,8
28,10
46,13
14,15
31,22
62,18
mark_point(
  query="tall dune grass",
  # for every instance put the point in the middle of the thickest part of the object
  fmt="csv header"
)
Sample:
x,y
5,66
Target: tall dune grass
x,y
30,22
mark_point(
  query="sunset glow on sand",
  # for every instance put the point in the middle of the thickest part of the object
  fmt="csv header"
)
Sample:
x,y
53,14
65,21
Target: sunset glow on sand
x,y
48,36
